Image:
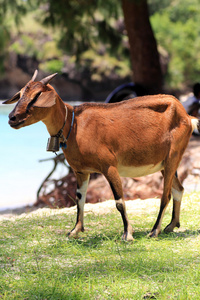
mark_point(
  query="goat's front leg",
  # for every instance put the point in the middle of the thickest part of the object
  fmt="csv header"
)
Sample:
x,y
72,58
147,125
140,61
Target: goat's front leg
x,y
114,180
82,184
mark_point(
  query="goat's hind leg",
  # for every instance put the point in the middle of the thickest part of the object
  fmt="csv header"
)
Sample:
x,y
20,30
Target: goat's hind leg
x,y
168,179
116,186
171,185
82,184
177,193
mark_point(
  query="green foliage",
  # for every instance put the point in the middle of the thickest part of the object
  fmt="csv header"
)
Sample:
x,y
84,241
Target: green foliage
x,y
49,50
39,262
4,39
175,23
52,66
82,26
26,45
104,66
16,8
177,30
158,6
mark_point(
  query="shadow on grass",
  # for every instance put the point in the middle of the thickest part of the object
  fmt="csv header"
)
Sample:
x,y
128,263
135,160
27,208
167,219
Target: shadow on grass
x,y
167,236
179,234
89,236
94,241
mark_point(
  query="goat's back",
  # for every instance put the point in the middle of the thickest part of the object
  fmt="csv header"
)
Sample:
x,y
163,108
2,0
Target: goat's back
x,y
137,117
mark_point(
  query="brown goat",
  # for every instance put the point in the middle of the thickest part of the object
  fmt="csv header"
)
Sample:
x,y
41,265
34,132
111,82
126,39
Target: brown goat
x,y
131,138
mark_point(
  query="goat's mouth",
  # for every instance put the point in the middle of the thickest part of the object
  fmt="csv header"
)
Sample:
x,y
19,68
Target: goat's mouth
x,y
15,124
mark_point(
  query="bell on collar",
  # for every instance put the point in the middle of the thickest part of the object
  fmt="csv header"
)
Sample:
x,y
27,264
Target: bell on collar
x,y
53,144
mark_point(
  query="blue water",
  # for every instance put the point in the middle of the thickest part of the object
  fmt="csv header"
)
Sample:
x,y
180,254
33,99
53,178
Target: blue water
x,y
20,170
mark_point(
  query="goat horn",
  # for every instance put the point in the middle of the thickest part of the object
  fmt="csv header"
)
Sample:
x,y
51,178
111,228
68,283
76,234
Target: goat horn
x,y
34,75
48,78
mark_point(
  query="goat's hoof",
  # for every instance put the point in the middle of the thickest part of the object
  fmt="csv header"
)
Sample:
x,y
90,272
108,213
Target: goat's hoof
x,y
72,234
169,228
154,233
127,237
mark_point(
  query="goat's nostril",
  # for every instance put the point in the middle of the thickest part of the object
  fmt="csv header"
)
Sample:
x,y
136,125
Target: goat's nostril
x,y
13,118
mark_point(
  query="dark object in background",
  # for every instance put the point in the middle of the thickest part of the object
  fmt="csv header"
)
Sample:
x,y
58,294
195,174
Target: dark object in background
x,y
126,91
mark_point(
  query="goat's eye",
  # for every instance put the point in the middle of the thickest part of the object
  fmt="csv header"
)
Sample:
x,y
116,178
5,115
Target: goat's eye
x,y
33,101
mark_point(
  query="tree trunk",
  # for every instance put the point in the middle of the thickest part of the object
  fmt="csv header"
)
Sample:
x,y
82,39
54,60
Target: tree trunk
x,y
143,47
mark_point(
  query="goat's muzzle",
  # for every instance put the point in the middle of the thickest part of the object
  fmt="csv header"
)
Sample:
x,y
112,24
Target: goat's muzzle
x,y
15,124
16,121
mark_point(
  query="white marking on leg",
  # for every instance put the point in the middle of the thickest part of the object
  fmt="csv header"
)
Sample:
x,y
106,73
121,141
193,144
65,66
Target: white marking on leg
x,y
177,195
82,190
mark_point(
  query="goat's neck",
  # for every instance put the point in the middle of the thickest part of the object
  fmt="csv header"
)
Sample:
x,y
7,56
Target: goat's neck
x,y
56,118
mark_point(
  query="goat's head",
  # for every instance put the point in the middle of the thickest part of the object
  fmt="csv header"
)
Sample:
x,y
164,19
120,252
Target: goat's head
x,y
32,97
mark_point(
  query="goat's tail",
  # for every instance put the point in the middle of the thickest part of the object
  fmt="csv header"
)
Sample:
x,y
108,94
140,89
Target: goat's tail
x,y
195,124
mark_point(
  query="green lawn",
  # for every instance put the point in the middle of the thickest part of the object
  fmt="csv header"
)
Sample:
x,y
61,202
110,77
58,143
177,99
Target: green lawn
x,y
37,261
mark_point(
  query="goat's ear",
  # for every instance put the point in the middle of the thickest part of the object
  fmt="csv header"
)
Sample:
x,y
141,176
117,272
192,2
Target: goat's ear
x,y
46,99
14,99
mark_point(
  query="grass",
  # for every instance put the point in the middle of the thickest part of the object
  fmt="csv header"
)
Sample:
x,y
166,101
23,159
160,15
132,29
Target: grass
x,y
38,262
